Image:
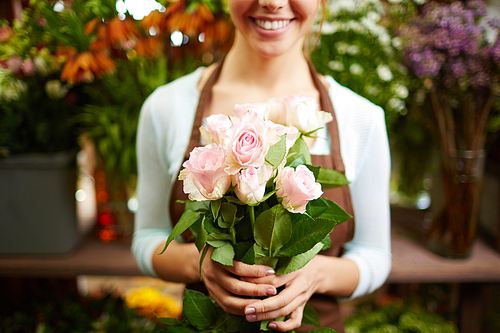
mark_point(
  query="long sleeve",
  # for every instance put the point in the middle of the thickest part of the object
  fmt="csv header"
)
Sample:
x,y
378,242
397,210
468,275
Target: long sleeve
x,y
365,151
162,137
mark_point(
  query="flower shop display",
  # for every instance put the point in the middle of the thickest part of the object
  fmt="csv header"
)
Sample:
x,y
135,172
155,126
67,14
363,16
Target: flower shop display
x,y
446,47
254,195
359,50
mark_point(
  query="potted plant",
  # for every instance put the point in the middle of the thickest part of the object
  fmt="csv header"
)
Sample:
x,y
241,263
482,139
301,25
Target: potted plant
x,y
38,143
447,48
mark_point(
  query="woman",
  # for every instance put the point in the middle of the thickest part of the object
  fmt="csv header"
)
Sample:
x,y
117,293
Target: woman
x,y
266,61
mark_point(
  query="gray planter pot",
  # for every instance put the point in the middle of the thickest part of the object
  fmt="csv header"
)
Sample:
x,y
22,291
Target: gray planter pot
x,y
37,204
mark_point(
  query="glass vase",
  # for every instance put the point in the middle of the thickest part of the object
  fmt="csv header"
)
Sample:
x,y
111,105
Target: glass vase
x,y
453,230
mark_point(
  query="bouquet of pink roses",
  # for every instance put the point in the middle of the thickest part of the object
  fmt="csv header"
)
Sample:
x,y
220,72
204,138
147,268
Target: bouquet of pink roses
x,y
254,195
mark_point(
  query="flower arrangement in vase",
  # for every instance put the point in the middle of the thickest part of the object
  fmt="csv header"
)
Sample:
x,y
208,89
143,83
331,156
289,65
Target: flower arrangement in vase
x,y
447,48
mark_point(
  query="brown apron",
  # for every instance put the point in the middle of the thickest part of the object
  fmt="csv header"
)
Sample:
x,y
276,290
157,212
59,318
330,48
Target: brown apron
x,y
326,306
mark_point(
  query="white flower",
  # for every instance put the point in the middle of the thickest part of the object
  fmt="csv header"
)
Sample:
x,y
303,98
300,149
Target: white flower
x,y
400,90
356,69
372,90
55,89
396,104
353,49
375,17
341,47
304,114
41,66
384,72
336,65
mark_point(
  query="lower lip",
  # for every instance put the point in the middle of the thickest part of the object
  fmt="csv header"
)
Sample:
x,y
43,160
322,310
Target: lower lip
x,y
271,33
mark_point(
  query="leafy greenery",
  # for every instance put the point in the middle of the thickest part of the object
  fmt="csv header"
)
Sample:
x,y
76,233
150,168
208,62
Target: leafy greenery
x,y
202,314
397,317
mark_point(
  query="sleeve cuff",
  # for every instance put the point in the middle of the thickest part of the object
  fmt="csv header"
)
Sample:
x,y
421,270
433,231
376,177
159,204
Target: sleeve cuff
x,y
144,244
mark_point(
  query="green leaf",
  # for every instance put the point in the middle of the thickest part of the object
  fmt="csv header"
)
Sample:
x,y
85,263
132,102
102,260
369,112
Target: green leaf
x,y
216,243
326,209
197,205
294,163
299,148
168,321
261,257
183,328
223,254
273,228
292,264
233,323
234,200
240,249
198,309
310,316
216,236
327,242
323,330
214,207
276,153
202,257
187,219
200,234
306,233
329,178
228,214
249,257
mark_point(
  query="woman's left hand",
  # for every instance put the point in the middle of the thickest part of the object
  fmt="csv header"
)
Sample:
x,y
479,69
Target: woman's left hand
x,y
299,287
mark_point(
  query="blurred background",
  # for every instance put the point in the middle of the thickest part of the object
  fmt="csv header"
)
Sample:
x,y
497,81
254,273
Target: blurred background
x,y
73,77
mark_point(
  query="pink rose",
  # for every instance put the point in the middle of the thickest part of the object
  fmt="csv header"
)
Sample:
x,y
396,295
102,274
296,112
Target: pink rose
x,y
204,177
292,133
14,64
260,109
303,113
250,141
251,184
28,67
216,128
297,188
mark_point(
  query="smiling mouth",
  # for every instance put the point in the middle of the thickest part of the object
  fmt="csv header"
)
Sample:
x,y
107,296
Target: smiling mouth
x,y
272,25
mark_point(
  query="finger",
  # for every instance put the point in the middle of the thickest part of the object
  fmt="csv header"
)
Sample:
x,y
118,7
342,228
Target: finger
x,y
275,280
242,288
252,271
292,323
228,302
274,307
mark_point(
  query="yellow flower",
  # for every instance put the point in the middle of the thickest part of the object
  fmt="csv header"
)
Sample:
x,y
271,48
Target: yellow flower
x,y
149,302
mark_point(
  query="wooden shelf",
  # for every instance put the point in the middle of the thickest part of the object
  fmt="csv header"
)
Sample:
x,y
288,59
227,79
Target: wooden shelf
x,y
412,262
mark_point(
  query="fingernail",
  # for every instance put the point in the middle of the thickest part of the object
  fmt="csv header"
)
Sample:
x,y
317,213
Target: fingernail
x,y
272,325
252,318
270,272
249,311
270,291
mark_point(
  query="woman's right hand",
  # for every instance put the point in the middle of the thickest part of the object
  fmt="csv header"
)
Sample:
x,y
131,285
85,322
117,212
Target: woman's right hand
x,y
224,285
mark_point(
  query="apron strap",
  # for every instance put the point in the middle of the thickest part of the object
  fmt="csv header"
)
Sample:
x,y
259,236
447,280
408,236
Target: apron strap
x,y
205,98
333,128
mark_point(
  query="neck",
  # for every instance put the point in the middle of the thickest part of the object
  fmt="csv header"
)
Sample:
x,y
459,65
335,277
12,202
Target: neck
x,y
269,74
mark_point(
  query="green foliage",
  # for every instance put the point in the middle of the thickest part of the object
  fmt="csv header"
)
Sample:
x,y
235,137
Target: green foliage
x,y
202,314
397,317
76,314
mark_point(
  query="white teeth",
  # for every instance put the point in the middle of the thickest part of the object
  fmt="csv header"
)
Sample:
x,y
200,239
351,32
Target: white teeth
x,y
272,25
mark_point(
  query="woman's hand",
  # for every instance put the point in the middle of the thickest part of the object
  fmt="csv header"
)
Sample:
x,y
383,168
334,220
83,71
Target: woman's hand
x,y
228,285
299,287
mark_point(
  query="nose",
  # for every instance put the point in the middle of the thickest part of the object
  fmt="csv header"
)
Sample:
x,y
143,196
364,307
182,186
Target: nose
x,y
273,5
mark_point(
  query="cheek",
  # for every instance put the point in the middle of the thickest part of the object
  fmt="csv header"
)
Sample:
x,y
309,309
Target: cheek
x,y
237,10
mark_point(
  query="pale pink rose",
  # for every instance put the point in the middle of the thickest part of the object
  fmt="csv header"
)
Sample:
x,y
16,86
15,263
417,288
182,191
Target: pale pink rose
x,y
14,64
292,133
251,183
250,140
216,128
28,67
204,177
260,109
303,113
276,111
297,188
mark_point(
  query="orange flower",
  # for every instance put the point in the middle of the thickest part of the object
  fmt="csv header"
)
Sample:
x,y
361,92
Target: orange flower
x,y
190,24
6,33
114,33
150,47
84,67
156,20
120,32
